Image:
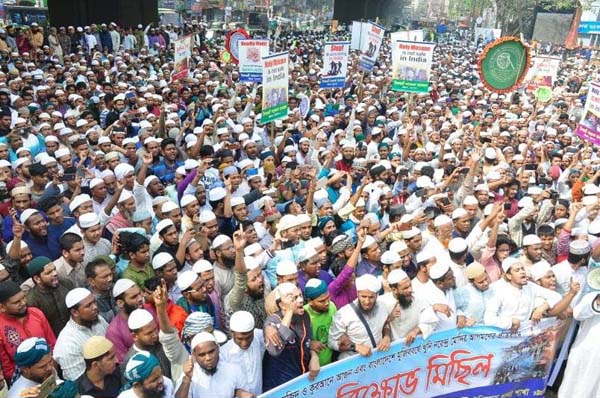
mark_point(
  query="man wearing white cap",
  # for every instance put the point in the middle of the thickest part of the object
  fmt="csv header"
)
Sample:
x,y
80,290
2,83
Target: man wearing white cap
x,y
513,300
85,322
247,348
224,251
532,251
213,376
410,316
93,243
362,325
574,268
442,298
371,257
128,297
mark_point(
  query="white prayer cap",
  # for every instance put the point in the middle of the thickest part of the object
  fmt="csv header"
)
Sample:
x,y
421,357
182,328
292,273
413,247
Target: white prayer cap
x,y
369,240
423,256
76,296
459,213
440,220
202,266
148,180
9,245
470,201
122,170
187,200
217,193
368,282
482,187
139,318
589,200
390,257
539,270
160,260
253,249
424,182
251,263
88,220
286,222
206,216
103,140
398,246
530,240
59,153
286,267
27,213
220,240
509,262
168,207
411,233
95,182
457,245
307,253
315,242
241,322
121,286
202,337
164,224
533,190
591,189
525,202
396,276
236,201
186,279
594,227
125,195
78,201
438,270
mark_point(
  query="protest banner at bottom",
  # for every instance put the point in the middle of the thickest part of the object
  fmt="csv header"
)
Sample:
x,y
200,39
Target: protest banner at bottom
x,y
479,361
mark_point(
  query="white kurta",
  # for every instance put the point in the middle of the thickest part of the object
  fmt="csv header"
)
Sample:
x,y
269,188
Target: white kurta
x,y
564,272
419,313
222,384
583,366
432,295
507,302
250,360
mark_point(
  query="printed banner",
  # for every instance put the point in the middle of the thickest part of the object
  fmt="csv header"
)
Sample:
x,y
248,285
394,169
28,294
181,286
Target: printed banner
x,y
370,43
251,54
411,64
183,54
589,127
473,362
542,73
275,71
357,29
335,64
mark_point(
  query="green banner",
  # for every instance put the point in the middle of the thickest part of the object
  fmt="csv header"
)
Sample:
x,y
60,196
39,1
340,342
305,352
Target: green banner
x,y
503,64
411,63
410,86
275,87
274,113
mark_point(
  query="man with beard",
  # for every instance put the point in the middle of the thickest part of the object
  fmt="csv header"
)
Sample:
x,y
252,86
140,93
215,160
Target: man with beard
x,y
246,347
125,206
144,330
223,265
128,297
248,292
49,292
303,148
410,316
144,374
472,298
85,322
195,298
101,377
443,278
212,377
34,359
100,196
349,334
205,271
39,240
191,212
532,251
345,163
17,322
321,311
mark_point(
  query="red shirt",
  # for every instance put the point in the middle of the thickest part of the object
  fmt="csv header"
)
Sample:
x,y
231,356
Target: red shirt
x,y
13,332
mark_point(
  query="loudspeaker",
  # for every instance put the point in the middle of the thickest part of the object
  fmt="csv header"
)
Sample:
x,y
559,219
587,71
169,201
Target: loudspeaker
x,y
85,12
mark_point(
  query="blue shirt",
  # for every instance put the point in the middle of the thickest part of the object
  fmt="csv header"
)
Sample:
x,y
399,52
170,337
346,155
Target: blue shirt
x,y
48,247
164,172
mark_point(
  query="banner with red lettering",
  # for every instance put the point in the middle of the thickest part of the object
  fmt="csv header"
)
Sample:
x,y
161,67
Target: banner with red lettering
x,y
472,362
370,43
183,54
251,54
275,70
411,63
335,64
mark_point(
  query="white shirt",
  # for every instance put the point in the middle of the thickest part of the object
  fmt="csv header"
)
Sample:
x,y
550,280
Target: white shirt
x,y
418,313
507,302
564,272
250,360
169,392
19,385
222,384
68,351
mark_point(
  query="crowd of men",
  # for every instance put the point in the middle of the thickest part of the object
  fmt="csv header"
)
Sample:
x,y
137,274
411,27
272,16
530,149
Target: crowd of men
x,y
160,241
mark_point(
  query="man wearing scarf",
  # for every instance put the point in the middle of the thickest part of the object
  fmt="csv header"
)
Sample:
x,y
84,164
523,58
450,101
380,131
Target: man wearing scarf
x,y
34,361
145,378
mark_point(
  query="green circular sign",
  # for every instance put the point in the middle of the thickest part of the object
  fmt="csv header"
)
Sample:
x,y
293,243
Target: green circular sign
x,y
543,94
225,56
503,64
